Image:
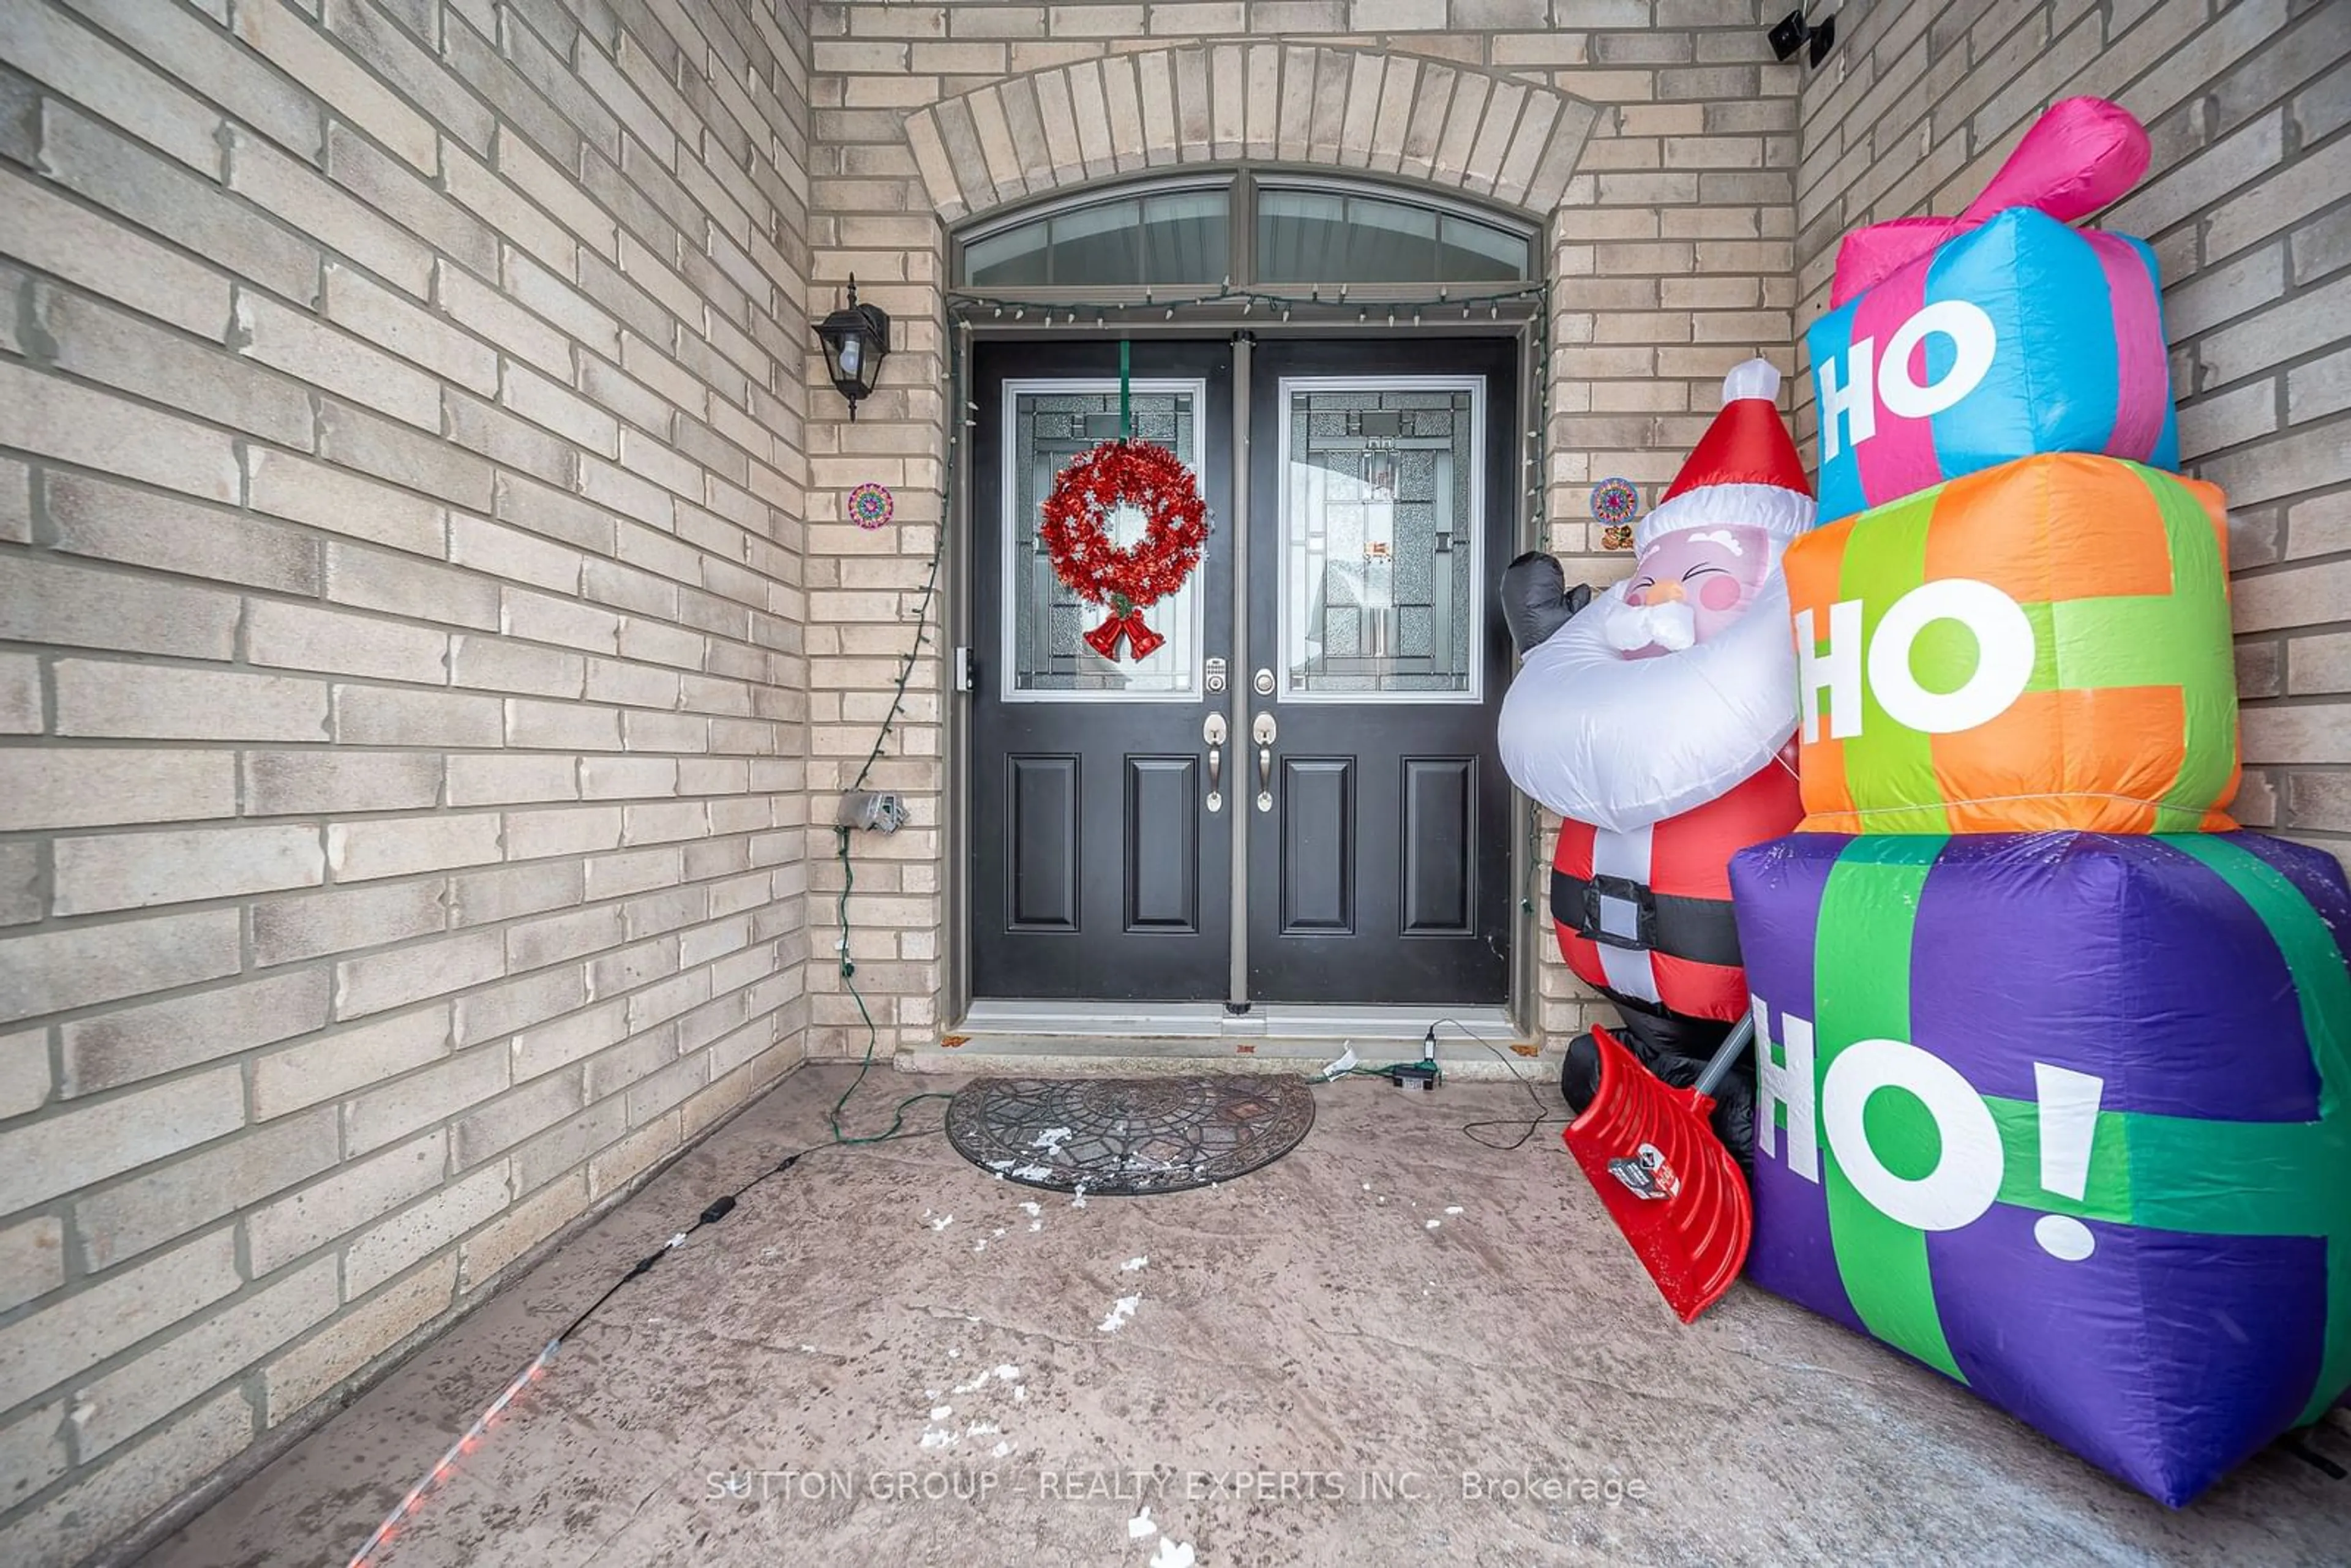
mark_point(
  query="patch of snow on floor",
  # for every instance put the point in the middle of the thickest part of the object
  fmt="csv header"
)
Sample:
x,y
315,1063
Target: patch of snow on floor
x,y
1432,1224
1455,1209
943,1221
933,1438
1120,1311
1052,1138
983,1429
943,1412
1132,1264
1077,1198
1031,1210
1001,1450
1000,1167
1034,1172
1140,1527
1173,1554
981,1245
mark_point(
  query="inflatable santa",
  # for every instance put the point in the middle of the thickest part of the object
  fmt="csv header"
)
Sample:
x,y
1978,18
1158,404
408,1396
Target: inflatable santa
x,y
1656,718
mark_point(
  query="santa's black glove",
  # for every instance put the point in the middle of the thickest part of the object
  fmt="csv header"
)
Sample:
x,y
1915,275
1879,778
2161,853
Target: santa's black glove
x,y
1536,599
1579,1072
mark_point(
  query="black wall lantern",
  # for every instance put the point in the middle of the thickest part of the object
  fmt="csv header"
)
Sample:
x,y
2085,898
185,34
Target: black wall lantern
x,y
856,340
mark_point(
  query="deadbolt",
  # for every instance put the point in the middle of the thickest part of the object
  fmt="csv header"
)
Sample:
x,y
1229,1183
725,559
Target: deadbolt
x,y
1264,683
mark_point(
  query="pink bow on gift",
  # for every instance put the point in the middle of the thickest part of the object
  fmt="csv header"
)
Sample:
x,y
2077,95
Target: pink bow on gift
x,y
2079,155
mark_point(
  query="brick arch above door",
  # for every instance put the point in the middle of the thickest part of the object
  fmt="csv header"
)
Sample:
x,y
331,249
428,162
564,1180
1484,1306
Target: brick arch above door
x,y
1448,126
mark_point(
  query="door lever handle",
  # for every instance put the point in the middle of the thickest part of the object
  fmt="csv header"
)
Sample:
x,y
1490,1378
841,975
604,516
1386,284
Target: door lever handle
x,y
1213,731
1264,732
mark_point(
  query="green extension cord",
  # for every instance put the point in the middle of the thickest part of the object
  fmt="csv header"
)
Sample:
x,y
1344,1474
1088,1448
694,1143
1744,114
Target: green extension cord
x,y
847,980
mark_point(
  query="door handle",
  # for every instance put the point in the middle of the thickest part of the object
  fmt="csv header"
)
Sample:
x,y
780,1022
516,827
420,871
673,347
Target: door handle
x,y
1212,730
1264,732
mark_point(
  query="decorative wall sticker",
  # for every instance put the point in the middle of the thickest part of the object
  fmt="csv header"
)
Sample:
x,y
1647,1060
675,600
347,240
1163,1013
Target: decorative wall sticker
x,y
871,505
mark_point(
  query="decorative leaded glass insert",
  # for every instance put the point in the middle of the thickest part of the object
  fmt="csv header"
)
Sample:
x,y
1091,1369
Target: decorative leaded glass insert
x,y
1380,509
1049,424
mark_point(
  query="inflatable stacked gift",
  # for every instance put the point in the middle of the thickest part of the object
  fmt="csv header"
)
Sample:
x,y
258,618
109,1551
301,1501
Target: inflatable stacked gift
x,y
2053,1065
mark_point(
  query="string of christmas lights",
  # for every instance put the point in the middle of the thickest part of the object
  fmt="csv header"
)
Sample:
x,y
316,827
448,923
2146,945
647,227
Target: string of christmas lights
x,y
1324,305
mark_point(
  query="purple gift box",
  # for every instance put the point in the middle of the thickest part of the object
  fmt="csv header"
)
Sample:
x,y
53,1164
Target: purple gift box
x,y
2067,1116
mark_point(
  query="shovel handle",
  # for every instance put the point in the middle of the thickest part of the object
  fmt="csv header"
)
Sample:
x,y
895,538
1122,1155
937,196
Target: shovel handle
x,y
1728,1053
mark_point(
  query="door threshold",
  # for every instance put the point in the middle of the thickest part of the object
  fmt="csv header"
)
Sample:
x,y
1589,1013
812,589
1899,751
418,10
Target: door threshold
x,y
1145,1039
1092,1021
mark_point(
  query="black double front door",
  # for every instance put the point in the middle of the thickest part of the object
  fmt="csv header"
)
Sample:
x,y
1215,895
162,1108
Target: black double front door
x,y
1327,686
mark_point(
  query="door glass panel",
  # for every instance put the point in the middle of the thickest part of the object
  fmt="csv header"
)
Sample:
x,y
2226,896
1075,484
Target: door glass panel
x,y
1380,568
1047,425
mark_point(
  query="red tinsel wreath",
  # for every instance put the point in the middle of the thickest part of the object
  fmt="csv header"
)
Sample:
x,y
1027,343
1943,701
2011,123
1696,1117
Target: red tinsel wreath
x,y
1086,559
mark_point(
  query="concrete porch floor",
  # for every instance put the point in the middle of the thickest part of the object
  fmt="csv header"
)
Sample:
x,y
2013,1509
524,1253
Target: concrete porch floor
x,y
1309,1319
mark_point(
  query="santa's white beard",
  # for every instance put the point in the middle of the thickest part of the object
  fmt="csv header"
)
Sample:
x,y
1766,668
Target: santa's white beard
x,y
1672,626
1622,742
1684,691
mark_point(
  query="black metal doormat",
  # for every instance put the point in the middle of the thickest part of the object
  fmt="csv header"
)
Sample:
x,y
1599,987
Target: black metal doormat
x,y
1128,1136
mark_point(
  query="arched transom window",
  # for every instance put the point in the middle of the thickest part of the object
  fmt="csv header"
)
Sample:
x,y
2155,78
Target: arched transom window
x,y
1251,227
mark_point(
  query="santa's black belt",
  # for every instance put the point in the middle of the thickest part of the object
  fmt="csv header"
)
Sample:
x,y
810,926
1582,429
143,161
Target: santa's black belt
x,y
1618,912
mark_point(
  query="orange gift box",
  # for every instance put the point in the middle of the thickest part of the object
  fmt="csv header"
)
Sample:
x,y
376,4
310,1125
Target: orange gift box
x,y
2041,645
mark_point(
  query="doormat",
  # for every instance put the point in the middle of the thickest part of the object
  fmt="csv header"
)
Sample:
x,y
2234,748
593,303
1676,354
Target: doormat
x,y
1118,1137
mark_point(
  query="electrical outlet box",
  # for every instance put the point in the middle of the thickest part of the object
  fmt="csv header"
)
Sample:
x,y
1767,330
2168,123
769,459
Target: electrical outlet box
x,y
877,811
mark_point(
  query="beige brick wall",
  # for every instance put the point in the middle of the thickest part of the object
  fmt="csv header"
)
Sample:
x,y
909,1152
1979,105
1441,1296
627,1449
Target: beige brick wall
x,y
427,623
1671,239
402,678
2246,104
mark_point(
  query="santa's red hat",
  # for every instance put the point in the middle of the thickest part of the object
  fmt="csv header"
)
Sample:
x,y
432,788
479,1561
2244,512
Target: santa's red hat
x,y
1744,470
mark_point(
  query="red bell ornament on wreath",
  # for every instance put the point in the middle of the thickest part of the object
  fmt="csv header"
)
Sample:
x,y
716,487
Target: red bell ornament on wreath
x,y
1125,622
1093,566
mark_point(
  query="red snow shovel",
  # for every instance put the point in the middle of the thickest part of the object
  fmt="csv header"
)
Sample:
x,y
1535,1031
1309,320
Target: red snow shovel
x,y
1668,1182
